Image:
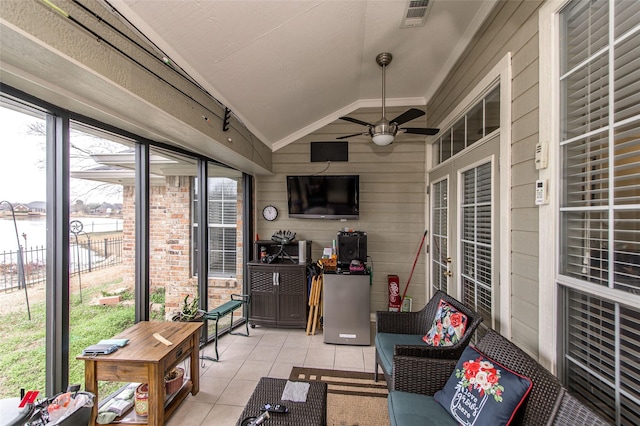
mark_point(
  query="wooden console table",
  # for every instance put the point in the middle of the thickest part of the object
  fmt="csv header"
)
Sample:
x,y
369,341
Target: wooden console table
x,y
146,360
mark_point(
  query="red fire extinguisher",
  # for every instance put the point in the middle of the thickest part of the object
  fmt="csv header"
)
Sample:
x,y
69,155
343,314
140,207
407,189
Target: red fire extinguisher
x,y
394,293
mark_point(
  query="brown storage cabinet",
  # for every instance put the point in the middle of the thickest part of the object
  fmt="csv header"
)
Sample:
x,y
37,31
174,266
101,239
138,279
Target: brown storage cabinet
x,y
278,294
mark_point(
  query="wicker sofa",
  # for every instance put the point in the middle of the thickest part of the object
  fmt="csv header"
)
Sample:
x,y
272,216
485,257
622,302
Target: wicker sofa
x,y
416,380
400,333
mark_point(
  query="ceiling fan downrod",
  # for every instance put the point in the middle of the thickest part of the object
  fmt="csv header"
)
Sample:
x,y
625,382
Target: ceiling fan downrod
x,y
384,131
384,59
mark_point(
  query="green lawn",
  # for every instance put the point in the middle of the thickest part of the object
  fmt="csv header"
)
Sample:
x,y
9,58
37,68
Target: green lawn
x,y
22,348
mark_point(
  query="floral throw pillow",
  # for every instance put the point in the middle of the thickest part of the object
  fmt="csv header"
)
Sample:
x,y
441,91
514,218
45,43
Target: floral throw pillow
x,y
482,392
448,326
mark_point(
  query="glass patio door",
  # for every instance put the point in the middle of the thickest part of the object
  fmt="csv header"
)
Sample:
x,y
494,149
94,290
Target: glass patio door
x,y
464,229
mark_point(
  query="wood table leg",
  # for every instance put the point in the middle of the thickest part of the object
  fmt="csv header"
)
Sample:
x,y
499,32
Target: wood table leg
x,y
156,395
91,385
195,367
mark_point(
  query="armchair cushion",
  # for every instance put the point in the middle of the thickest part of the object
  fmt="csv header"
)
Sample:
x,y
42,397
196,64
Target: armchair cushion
x,y
483,392
406,408
417,323
448,326
385,346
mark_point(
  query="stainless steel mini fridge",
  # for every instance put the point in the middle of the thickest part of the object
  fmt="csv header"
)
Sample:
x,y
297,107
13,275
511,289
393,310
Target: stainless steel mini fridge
x,y
346,306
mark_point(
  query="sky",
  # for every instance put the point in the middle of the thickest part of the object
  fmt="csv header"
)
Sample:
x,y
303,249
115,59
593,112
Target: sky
x,y
23,156
21,178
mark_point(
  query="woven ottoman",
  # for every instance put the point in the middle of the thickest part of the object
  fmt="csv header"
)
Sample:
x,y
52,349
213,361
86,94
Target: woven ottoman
x,y
313,412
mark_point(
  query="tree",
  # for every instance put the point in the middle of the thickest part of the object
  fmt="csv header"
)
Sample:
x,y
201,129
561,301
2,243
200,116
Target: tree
x,y
84,144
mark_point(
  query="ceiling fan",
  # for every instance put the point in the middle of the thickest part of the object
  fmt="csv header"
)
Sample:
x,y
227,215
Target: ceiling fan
x,y
384,131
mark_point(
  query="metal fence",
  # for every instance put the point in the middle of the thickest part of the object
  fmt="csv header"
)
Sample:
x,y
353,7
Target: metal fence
x,y
87,256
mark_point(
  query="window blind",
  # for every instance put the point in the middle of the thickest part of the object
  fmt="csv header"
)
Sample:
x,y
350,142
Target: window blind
x,y
439,235
476,245
222,218
595,329
600,210
600,203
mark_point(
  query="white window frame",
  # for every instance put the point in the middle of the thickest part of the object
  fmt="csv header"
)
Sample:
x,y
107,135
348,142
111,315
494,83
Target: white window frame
x,y
549,218
430,202
495,305
223,226
195,225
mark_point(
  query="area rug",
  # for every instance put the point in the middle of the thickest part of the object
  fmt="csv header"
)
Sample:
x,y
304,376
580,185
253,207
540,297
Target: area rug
x,y
353,398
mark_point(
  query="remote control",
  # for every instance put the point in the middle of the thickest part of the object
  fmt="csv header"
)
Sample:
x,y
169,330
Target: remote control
x,y
275,408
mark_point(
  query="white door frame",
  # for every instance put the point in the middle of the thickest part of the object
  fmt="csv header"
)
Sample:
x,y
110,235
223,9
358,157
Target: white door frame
x,y
501,73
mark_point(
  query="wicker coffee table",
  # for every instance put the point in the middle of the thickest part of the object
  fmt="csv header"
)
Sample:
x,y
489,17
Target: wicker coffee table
x,y
313,412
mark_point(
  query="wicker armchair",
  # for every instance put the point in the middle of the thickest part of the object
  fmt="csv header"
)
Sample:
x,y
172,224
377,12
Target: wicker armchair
x,y
410,327
548,402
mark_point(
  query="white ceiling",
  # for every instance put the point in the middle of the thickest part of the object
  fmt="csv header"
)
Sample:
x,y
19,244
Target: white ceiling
x,y
288,68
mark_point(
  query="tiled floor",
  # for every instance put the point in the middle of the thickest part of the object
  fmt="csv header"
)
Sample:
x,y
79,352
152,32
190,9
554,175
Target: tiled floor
x,y
226,385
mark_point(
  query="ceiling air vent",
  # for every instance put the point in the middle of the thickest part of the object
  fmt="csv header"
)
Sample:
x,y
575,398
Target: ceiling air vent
x,y
416,13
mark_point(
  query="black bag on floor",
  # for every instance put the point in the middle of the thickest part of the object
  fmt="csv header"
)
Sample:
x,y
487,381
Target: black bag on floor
x,y
64,409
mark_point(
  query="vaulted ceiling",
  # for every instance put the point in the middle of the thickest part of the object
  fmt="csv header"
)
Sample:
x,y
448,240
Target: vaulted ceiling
x,y
288,68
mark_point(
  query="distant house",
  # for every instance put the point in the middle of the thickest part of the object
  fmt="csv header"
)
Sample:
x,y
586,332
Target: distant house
x,y
21,210
32,208
37,208
107,209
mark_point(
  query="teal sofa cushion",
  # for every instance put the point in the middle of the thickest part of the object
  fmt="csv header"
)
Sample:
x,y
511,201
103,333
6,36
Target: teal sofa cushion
x,y
408,409
386,341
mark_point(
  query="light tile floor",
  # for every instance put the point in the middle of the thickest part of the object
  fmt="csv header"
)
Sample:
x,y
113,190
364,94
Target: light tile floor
x,y
226,385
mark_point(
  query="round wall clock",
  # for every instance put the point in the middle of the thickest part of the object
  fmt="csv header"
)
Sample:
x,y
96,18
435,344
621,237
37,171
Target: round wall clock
x,y
270,213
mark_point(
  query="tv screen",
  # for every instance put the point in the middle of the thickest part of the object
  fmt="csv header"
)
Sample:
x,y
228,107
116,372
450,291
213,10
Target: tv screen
x,y
324,197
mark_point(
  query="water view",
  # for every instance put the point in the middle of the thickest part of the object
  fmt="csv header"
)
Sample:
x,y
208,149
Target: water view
x,y
35,230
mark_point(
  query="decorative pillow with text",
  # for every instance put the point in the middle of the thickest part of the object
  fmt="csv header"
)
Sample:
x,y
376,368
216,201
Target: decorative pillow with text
x,y
448,326
482,392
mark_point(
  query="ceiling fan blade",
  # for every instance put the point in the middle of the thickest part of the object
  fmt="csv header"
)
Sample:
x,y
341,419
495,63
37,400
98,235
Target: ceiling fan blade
x,y
408,115
420,130
355,120
350,136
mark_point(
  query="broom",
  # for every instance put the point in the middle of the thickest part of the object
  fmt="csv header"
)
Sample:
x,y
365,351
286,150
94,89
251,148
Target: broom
x,y
413,268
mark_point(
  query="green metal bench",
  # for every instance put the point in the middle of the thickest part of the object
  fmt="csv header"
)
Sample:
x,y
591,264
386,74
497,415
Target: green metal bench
x,y
236,302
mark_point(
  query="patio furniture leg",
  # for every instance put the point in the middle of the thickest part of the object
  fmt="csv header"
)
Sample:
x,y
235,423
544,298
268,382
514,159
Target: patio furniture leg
x,y
209,358
246,325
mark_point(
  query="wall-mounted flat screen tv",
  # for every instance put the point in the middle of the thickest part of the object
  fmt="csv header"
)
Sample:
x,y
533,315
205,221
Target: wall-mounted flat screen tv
x,y
324,197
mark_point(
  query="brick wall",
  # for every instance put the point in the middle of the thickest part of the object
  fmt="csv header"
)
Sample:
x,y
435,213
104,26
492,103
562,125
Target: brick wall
x,y
170,245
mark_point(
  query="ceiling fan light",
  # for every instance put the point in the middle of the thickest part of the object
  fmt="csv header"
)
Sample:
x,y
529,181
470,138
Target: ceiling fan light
x,y
382,139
